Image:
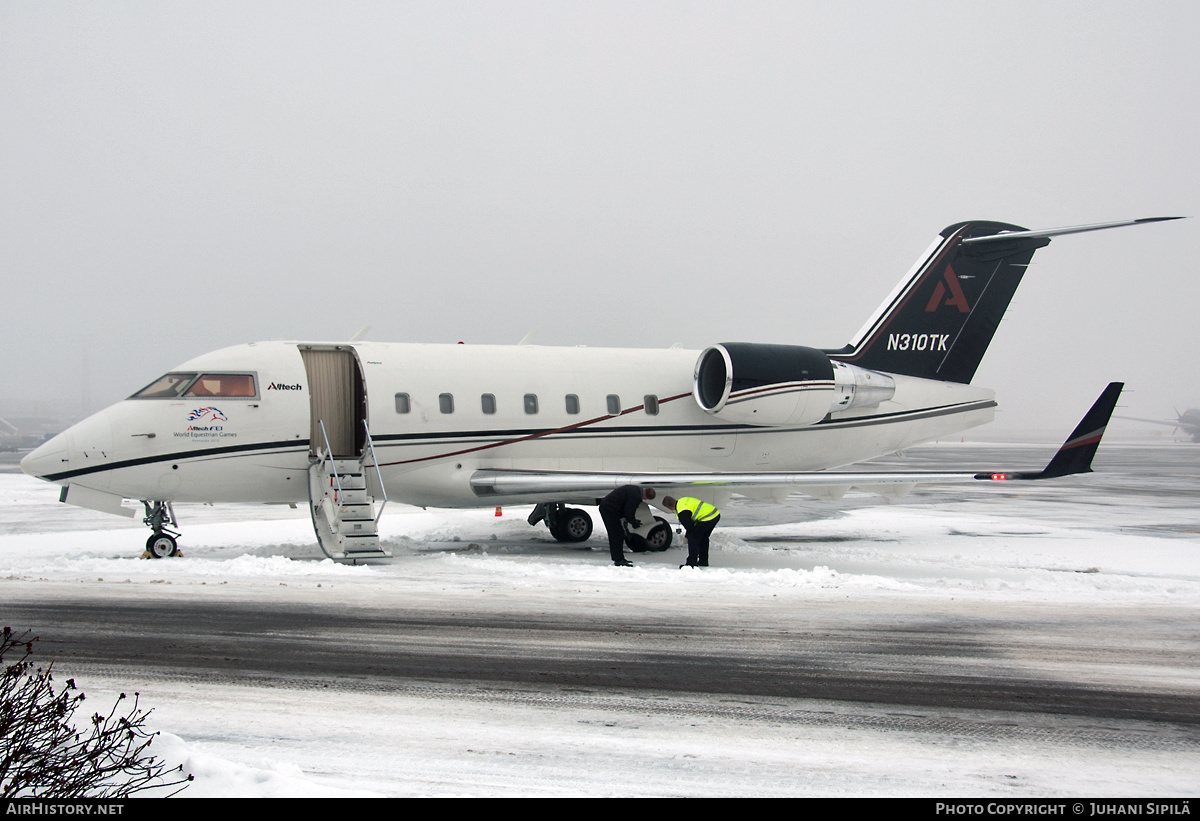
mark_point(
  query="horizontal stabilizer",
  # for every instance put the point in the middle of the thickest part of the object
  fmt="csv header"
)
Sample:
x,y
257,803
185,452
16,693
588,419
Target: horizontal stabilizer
x,y
1057,232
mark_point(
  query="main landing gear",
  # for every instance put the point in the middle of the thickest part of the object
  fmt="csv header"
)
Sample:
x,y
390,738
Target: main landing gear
x,y
162,542
654,536
571,525
566,524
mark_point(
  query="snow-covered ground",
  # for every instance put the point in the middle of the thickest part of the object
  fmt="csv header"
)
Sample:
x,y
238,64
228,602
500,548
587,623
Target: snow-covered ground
x,y
1067,545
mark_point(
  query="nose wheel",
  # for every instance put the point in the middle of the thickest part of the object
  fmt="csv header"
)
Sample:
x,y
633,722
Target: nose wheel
x,y
162,546
160,518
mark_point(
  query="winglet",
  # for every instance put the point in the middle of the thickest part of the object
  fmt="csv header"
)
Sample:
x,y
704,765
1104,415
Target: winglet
x,y
1075,455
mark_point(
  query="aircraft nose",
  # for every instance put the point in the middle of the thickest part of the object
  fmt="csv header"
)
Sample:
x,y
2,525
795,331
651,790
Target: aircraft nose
x,y
46,458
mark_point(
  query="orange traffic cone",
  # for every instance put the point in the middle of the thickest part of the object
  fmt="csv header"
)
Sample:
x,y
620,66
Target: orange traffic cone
x,y
498,513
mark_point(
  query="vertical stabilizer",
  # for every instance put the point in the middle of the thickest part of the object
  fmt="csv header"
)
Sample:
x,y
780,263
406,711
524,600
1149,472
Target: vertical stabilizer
x,y
938,322
940,319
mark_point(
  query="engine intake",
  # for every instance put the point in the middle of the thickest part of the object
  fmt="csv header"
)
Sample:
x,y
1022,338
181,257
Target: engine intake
x,y
775,385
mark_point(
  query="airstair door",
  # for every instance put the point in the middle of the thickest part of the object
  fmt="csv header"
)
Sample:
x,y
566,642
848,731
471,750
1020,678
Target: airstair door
x,y
343,507
337,401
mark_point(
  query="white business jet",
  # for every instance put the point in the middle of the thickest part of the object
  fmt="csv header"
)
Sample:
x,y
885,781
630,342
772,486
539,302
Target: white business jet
x,y
345,427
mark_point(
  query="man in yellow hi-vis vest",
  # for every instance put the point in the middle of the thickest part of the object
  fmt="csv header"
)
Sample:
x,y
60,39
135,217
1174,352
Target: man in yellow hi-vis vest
x,y
698,519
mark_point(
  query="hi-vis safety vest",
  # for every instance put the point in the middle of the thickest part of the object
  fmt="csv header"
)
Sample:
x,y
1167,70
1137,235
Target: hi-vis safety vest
x,y
701,511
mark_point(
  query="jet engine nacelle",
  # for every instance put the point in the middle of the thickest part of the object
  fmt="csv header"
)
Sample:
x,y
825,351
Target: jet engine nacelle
x,y
775,385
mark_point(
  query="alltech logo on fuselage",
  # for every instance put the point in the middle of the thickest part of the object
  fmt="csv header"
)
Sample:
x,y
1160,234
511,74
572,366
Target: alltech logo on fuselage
x,y
279,386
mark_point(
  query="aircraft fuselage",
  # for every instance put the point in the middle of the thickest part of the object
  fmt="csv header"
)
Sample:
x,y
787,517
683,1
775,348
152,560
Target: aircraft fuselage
x,y
438,413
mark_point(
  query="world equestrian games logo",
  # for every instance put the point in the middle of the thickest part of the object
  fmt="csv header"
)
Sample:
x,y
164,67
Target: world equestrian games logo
x,y
207,415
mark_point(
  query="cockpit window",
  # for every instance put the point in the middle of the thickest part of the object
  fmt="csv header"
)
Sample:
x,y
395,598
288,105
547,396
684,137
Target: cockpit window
x,y
168,386
223,384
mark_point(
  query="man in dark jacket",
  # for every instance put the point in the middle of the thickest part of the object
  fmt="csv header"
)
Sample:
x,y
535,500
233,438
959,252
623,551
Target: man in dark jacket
x,y
622,503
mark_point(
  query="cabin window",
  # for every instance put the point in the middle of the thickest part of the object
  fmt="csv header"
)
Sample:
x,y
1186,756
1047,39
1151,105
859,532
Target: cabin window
x,y
651,404
614,404
167,386
572,403
223,384
531,403
488,401
403,405
446,402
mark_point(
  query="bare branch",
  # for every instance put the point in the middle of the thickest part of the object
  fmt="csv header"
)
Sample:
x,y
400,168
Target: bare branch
x,y
43,753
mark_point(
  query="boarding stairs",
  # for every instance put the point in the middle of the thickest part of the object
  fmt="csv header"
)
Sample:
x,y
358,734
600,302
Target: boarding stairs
x,y
342,493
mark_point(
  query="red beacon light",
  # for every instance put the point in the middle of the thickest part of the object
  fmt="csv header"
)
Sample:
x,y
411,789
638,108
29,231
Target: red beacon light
x,y
999,477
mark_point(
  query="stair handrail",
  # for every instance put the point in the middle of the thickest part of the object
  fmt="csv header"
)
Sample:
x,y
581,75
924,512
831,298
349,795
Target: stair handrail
x,y
332,464
378,474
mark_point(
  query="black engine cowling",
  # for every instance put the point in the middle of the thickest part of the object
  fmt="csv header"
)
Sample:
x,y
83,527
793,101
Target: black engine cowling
x,y
773,385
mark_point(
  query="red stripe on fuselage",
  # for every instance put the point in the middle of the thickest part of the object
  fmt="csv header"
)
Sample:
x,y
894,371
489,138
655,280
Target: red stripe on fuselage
x,y
532,436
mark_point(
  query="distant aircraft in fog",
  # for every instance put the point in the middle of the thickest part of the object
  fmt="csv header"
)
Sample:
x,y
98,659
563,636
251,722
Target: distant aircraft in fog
x,y
14,438
1188,422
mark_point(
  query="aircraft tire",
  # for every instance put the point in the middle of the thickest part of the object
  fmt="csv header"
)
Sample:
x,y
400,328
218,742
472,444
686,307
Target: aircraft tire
x,y
575,525
161,547
660,536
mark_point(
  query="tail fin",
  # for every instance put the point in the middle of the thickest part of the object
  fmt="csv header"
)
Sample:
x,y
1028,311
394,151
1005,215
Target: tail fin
x,y
939,321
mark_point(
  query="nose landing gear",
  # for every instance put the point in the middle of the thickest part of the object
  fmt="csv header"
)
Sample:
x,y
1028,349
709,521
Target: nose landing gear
x,y
160,518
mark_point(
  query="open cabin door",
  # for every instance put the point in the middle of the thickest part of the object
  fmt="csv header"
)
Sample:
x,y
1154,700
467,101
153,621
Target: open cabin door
x,y
340,497
337,399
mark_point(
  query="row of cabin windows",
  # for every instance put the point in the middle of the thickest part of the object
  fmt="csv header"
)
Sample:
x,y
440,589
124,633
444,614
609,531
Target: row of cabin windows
x,y
487,403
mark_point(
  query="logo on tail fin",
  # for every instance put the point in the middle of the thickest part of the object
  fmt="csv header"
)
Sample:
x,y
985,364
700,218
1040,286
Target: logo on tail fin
x,y
957,298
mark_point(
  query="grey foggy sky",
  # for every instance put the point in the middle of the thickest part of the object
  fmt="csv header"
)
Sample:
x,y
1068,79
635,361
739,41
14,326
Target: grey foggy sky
x,y
178,177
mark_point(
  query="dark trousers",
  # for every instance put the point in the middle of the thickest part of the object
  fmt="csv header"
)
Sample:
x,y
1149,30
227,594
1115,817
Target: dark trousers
x,y
697,538
616,534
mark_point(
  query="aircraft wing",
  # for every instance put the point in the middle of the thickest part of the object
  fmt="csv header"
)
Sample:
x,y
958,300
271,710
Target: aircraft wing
x,y
1075,456
1168,422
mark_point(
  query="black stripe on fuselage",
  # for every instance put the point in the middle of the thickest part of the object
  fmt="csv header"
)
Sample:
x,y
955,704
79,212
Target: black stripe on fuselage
x,y
179,456
490,439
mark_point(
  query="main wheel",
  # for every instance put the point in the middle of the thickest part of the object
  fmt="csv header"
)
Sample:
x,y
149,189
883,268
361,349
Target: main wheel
x,y
575,525
659,538
161,546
